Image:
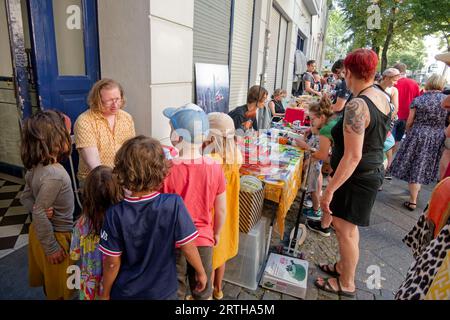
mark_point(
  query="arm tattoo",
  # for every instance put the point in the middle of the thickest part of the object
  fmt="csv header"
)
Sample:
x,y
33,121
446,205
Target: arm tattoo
x,y
355,116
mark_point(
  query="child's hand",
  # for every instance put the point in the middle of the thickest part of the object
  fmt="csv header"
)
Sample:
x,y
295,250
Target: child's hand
x,y
216,239
49,213
201,279
327,218
57,257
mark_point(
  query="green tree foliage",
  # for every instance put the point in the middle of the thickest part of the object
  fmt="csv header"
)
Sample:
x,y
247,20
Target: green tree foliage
x,y
412,53
336,44
401,22
434,18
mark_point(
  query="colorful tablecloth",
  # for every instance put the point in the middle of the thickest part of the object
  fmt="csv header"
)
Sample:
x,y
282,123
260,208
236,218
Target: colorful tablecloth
x,y
280,168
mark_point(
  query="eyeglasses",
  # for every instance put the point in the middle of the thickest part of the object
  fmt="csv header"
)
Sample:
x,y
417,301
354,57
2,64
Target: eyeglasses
x,y
109,103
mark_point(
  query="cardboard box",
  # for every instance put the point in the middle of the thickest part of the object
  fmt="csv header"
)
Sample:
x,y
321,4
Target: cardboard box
x,y
286,274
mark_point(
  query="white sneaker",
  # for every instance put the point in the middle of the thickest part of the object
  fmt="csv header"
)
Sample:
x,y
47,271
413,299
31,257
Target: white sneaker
x,y
308,202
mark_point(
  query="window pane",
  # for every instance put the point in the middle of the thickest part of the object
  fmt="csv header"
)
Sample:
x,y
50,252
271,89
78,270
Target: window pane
x,y
68,19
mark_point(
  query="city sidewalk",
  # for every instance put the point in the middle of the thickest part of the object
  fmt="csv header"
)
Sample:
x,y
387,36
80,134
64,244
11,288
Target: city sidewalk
x,y
380,245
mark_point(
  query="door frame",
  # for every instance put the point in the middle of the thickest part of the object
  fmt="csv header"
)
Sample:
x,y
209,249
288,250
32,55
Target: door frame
x,y
18,56
19,59
47,64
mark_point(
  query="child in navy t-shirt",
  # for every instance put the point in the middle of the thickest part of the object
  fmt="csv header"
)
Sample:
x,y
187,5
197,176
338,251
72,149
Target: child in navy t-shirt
x,y
140,233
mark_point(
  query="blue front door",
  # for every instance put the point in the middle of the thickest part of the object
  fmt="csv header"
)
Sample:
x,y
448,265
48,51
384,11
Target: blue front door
x,y
65,45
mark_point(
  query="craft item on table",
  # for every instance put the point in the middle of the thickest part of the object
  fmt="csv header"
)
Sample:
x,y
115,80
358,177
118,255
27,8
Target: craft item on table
x,y
283,140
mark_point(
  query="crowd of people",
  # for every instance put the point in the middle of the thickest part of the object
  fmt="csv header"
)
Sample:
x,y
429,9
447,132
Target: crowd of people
x,y
162,225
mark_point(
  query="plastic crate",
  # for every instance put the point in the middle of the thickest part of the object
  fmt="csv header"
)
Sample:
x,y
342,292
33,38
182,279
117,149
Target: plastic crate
x,y
244,269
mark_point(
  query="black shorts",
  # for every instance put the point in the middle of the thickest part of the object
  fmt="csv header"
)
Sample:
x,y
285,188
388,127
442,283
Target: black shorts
x,y
399,130
354,200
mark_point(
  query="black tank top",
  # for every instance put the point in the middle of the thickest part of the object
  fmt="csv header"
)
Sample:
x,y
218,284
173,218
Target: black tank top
x,y
374,137
278,106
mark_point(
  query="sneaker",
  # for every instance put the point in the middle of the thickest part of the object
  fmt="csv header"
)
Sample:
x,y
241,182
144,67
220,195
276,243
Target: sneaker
x,y
308,202
312,215
388,176
317,227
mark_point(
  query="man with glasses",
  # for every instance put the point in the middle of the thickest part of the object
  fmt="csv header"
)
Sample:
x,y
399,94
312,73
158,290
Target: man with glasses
x,y
103,128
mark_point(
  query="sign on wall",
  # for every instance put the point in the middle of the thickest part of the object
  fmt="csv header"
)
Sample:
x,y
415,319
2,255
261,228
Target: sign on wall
x,y
212,87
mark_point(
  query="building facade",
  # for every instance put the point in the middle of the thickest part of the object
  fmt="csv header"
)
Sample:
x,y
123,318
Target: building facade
x,y
52,51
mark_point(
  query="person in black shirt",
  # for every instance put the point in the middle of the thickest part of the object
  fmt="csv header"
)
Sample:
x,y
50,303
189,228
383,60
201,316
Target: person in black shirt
x,y
276,104
357,162
342,94
244,117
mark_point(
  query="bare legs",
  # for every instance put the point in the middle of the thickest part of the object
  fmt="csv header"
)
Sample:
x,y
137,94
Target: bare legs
x,y
390,157
414,189
348,238
218,278
315,195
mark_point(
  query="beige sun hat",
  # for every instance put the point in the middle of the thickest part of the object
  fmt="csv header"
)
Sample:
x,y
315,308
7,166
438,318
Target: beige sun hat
x,y
221,122
444,57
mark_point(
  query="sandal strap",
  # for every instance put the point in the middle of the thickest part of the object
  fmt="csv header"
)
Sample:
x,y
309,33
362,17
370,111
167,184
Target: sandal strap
x,y
339,284
327,284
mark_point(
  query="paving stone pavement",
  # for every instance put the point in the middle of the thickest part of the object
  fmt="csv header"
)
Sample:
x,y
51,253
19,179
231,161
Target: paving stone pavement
x,y
380,245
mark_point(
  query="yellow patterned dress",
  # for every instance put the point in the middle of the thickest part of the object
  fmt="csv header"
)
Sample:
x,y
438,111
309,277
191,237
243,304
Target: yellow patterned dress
x,y
229,236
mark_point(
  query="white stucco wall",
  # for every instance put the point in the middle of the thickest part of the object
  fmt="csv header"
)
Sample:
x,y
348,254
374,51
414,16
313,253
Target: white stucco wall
x,y
124,36
146,45
171,33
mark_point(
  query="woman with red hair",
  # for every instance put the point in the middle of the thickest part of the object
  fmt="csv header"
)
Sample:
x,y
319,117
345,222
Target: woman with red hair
x,y
357,162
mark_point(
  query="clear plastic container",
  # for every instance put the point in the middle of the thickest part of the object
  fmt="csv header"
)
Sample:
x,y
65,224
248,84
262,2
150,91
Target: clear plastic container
x,y
244,269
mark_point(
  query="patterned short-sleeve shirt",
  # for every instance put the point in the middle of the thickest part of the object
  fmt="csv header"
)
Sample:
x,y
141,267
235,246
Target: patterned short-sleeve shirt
x,y
92,130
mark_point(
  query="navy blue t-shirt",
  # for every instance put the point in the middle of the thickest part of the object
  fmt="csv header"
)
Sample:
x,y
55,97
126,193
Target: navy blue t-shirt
x,y
144,232
342,91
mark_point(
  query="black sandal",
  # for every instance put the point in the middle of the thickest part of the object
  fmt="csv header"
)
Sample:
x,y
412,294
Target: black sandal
x,y
326,268
408,205
326,286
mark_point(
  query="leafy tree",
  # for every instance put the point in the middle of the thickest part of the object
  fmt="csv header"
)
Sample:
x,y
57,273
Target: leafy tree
x,y
335,41
412,53
400,19
434,18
